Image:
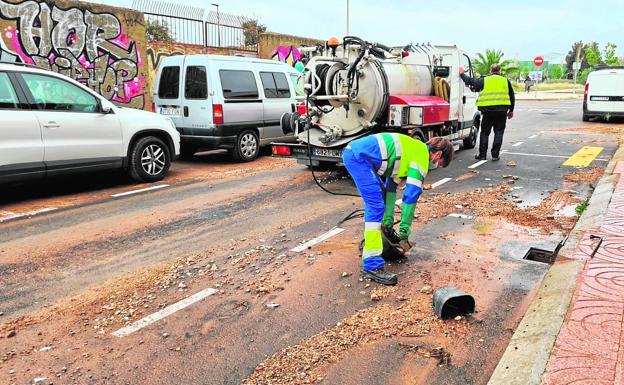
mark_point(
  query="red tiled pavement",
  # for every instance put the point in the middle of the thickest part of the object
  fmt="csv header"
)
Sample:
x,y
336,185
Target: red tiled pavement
x,y
590,346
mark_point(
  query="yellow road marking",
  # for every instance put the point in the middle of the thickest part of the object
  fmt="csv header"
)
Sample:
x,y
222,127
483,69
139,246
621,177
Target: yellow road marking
x,y
583,157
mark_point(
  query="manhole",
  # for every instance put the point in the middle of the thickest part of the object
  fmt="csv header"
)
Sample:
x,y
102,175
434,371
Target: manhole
x,y
544,256
540,255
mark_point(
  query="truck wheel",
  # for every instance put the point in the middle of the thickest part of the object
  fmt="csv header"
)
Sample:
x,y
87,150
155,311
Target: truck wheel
x,y
149,160
187,151
585,118
471,140
418,134
247,146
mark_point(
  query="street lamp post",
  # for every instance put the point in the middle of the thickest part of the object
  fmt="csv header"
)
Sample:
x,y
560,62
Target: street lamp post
x,y
218,26
347,18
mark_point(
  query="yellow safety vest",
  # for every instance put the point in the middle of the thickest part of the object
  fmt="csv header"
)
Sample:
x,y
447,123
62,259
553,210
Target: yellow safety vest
x,y
495,92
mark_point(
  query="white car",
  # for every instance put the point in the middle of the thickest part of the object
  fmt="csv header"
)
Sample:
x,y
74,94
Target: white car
x,y
51,124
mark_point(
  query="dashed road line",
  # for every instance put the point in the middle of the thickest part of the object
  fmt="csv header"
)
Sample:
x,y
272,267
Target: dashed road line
x,y
479,163
517,144
12,215
319,239
441,182
139,191
150,319
546,156
533,136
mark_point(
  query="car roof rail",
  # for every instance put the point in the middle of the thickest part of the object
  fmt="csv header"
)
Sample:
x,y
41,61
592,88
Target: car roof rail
x,y
608,67
18,64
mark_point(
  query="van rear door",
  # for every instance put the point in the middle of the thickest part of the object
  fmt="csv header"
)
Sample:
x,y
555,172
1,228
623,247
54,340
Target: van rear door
x,y
197,104
168,91
606,91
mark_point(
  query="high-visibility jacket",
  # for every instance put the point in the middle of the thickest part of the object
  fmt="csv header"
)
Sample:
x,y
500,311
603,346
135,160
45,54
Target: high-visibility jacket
x,y
495,92
396,157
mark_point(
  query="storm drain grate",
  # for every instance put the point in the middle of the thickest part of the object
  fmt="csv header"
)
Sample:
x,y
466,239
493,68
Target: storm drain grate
x,y
540,255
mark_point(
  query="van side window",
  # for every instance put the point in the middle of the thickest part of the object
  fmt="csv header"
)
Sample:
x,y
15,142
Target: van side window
x,y
169,87
8,98
238,84
195,83
275,85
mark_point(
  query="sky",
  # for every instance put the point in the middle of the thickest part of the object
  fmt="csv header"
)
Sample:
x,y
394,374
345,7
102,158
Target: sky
x,y
521,29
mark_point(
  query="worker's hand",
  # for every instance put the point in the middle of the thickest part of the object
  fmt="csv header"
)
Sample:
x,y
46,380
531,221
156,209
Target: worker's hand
x,y
510,114
404,234
462,70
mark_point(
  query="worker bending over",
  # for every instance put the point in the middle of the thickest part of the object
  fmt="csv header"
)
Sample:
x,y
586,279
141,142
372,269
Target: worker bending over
x,y
399,159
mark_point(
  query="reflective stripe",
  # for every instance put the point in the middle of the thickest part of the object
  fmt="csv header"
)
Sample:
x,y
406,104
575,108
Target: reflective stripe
x,y
414,182
422,172
372,225
384,155
397,160
371,253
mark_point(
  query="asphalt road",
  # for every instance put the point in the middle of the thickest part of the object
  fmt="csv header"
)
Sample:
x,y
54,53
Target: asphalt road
x,y
74,276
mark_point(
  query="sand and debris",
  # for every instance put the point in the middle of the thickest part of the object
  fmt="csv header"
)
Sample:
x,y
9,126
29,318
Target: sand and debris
x,y
587,176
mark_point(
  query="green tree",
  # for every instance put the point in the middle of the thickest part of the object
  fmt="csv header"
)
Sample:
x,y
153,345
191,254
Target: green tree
x,y
610,58
555,72
485,60
157,31
576,54
593,54
251,30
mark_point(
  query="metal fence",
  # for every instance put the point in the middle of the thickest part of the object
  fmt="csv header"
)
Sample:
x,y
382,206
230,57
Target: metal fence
x,y
187,25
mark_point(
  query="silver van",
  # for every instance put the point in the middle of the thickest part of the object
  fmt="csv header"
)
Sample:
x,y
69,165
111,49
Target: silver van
x,y
226,102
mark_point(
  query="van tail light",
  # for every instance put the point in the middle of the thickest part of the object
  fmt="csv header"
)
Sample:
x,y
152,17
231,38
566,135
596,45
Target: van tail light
x,y
301,108
153,107
217,113
280,150
586,92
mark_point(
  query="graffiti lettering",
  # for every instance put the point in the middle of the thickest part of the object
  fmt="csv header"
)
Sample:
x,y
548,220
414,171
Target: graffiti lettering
x,y
288,54
89,47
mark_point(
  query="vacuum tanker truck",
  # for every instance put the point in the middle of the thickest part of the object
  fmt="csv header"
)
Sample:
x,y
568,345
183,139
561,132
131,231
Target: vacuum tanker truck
x,y
355,88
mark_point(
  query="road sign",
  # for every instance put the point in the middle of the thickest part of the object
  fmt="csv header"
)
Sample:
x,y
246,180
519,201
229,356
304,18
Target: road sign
x,y
576,65
535,76
538,61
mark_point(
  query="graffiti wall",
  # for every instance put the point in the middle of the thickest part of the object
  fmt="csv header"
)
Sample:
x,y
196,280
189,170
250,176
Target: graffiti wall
x,y
100,46
289,55
283,48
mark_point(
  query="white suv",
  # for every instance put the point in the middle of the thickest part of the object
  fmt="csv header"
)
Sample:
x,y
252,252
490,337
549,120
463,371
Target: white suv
x,y
51,124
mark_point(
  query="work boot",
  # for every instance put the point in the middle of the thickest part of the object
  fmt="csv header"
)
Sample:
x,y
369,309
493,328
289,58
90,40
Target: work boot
x,y
495,158
381,276
480,157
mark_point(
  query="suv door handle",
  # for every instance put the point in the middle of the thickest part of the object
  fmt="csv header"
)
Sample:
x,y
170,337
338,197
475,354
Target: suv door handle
x,y
186,111
51,125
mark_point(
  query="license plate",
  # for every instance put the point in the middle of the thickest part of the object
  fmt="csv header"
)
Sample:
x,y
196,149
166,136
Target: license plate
x,y
327,152
169,111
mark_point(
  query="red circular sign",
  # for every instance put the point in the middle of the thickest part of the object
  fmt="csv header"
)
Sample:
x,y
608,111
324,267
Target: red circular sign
x,y
538,61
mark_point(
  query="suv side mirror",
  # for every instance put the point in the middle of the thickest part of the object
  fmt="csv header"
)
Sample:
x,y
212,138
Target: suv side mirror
x,y
106,107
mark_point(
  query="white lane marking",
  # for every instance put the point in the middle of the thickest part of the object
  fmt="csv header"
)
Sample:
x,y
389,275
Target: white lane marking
x,y
150,319
479,163
546,156
139,191
319,239
13,215
441,182
462,216
533,136
516,144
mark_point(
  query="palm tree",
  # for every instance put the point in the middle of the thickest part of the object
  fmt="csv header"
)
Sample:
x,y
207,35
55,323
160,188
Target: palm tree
x,y
484,61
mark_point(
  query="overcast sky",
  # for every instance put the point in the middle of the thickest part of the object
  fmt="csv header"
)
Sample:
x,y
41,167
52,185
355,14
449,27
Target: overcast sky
x,y
522,29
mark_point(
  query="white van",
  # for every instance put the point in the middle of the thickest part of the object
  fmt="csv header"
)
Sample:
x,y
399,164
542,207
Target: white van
x,y
226,101
604,94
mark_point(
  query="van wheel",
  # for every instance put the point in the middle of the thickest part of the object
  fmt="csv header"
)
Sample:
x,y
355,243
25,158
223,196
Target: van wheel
x,y
585,118
149,160
247,146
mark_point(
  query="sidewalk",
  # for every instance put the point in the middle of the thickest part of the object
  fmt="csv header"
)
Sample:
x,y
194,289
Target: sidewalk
x,y
549,95
573,331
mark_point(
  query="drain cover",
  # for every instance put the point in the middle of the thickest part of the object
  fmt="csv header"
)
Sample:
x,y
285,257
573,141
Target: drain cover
x,y
540,255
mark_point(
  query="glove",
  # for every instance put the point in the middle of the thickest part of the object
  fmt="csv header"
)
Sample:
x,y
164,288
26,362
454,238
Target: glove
x,y
404,233
388,218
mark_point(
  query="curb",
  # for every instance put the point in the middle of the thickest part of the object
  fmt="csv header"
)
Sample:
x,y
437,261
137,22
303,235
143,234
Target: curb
x,y
548,99
528,352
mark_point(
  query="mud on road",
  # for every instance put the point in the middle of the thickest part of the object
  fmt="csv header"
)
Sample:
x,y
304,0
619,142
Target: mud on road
x,y
72,278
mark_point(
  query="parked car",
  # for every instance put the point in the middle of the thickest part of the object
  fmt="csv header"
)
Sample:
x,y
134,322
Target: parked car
x,y
51,124
604,94
226,102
